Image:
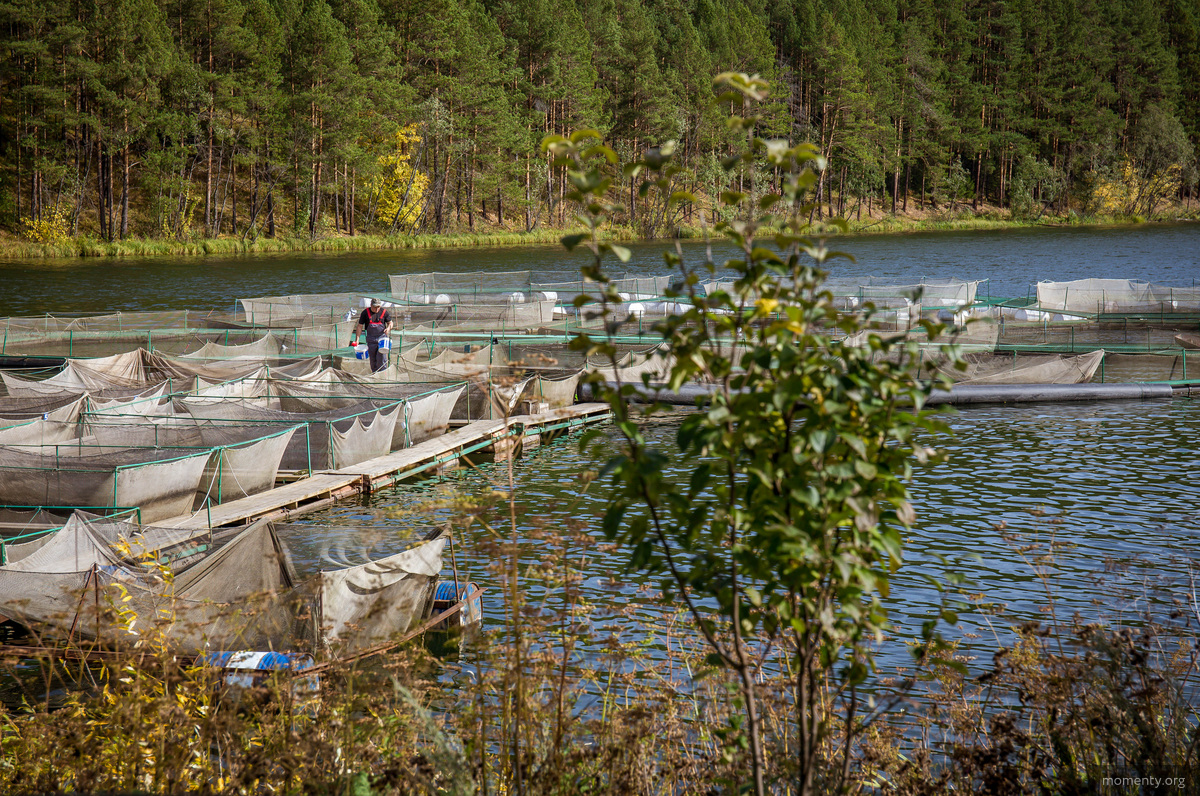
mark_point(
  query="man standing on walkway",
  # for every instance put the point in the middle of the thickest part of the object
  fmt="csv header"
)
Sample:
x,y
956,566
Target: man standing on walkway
x,y
377,323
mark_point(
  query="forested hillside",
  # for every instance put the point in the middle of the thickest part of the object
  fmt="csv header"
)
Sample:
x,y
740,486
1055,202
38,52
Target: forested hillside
x,y
203,118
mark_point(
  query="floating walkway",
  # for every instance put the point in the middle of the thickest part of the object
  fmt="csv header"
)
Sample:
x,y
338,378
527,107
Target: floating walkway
x,y
499,438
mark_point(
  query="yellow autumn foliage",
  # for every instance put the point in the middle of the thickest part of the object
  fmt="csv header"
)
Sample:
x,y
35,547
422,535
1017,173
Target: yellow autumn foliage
x,y
54,226
1132,191
400,188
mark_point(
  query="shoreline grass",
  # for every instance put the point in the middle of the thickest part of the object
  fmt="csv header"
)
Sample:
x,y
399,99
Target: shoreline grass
x,y
87,246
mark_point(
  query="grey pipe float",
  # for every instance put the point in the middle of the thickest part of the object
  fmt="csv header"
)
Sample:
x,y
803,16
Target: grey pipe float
x,y
966,394
961,395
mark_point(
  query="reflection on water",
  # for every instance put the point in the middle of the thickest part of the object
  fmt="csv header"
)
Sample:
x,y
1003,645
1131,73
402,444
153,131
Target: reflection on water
x,y
1114,481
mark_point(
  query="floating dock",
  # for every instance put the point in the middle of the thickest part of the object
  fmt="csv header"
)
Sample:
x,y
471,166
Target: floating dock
x,y
501,439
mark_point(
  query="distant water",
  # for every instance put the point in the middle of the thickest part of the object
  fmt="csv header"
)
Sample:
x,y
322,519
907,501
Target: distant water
x,y
1012,260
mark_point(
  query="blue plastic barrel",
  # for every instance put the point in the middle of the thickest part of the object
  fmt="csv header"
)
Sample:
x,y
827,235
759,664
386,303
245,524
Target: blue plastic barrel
x,y
249,668
445,597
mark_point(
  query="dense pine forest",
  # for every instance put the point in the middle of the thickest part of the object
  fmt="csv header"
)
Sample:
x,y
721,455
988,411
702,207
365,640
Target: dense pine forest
x,y
187,119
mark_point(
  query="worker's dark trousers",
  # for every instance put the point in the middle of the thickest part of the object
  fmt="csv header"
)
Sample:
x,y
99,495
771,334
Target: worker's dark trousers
x,y
378,358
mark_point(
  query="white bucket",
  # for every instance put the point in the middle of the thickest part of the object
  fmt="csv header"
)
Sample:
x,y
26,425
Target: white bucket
x,y
385,344
360,351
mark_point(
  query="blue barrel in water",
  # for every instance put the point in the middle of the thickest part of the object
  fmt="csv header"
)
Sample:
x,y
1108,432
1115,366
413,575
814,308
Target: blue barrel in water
x,y
446,598
248,668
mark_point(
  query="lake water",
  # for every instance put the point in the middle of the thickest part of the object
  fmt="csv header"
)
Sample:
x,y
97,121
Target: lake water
x,y
1113,483
1012,260
1116,481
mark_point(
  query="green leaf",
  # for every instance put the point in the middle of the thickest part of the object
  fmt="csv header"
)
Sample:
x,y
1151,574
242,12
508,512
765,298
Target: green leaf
x,y
552,140
865,469
600,149
571,241
580,135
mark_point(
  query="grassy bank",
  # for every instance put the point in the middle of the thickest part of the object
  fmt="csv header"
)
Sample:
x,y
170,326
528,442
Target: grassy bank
x,y
87,246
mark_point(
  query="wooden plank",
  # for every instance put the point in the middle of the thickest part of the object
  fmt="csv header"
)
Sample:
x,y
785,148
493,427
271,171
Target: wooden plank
x,y
322,488
589,412
430,449
263,503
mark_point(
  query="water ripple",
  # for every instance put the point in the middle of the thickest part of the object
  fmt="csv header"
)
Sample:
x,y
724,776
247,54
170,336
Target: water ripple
x,y
1113,483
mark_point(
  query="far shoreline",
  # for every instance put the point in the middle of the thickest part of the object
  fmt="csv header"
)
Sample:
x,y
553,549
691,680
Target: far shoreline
x,y
82,247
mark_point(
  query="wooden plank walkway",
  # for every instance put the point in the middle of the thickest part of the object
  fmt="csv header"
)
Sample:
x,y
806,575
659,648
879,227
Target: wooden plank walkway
x,y
432,452
278,503
324,487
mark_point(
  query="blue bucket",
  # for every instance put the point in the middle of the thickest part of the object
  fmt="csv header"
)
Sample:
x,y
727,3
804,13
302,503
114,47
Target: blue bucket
x,y
361,352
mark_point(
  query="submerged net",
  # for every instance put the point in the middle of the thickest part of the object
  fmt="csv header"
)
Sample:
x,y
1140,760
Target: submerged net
x,y
853,293
1034,328
230,592
131,373
247,458
1036,369
62,407
555,393
24,531
630,287
631,367
489,313
1176,366
161,481
300,311
406,285
266,347
97,336
335,438
423,417
37,432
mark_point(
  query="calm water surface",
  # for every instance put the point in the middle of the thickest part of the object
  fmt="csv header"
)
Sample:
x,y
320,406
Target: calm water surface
x,y
1013,261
